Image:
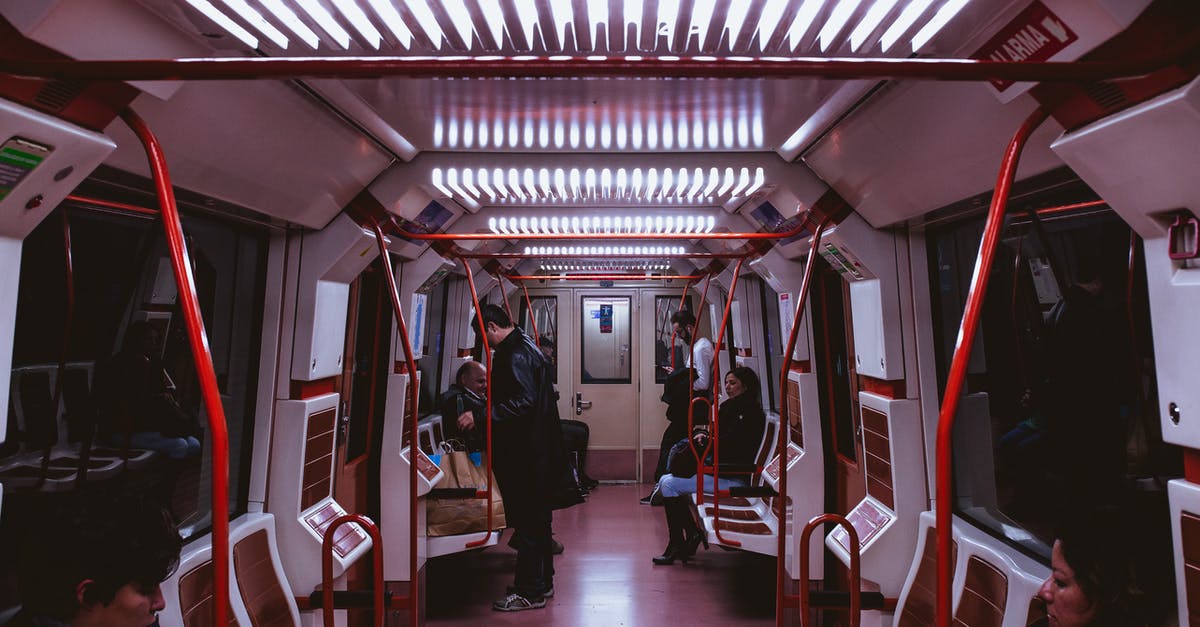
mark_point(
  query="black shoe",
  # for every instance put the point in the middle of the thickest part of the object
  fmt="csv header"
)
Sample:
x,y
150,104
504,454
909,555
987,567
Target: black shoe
x,y
649,498
589,483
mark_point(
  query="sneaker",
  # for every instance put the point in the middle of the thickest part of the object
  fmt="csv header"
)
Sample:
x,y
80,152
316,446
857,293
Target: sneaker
x,y
654,498
517,603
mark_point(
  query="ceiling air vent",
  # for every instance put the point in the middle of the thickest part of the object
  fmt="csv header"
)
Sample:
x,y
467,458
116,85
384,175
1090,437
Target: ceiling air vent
x,y
56,95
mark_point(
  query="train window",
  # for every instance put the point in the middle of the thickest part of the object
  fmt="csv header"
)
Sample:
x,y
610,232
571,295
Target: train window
x,y
126,311
835,369
773,340
604,354
1059,393
669,351
543,325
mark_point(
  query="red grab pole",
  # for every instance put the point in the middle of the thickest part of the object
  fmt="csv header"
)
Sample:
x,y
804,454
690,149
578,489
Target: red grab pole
x,y
715,407
855,573
487,355
412,423
537,338
682,301
201,357
327,566
962,354
785,434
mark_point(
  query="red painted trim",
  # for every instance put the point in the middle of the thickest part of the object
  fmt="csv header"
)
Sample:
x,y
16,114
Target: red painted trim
x,y
464,352
962,353
803,367
301,390
888,389
1191,465
401,367
744,352
198,338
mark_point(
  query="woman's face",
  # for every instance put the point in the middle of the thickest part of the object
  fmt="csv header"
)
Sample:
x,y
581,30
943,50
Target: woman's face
x,y
733,386
1066,604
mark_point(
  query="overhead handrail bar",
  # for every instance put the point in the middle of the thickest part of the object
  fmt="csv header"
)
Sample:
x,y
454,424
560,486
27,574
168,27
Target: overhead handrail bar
x,y
500,285
855,573
414,450
962,354
714,418
1060,280
68,324
327,566
592,66
785,428
603,277
532,318
514,255
755,235
487,355
201,357
111,204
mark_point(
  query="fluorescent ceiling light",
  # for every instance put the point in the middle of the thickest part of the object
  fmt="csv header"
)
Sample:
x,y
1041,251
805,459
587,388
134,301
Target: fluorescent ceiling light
x,y
837,20
256,20
359,21
907,17
870,22
391,18
222,20
609,224
460,17
427,20
293,23
803,21
944,15
323,19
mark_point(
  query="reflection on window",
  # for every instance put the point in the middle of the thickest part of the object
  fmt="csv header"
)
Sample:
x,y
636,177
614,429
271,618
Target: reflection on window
x,y
543,326
669,351
605,347
131,385
369,358
1059,401
834,349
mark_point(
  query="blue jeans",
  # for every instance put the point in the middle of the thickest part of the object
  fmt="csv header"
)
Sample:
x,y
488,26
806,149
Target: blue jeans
x,y
175,448
670,485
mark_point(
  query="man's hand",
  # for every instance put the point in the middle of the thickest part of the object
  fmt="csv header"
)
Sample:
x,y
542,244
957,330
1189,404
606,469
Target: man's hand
x,y
466,421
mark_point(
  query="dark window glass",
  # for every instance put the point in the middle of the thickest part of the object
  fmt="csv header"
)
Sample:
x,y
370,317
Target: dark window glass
x,y
669,350
835,374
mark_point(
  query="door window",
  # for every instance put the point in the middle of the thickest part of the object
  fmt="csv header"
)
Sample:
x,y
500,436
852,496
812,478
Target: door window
x,y
605,349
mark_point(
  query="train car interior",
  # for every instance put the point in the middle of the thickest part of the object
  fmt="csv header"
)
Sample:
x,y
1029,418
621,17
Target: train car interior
x,y
244,245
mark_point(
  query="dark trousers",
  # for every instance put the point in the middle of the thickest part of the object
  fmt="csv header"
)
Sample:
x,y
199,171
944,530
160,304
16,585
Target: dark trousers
x,y
675,432
575,437
535,560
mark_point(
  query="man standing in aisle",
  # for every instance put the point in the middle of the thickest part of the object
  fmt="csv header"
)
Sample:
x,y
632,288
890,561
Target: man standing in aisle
x,y
683,323
528,454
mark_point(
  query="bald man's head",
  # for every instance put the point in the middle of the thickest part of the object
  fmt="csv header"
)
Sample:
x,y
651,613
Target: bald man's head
x,y
473,376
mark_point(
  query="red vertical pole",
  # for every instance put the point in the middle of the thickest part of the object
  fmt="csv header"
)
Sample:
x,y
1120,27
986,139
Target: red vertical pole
x,y
781,448
411,362
855,573
715,420
202,358
962,354
691,381
327,566
537,338
487,355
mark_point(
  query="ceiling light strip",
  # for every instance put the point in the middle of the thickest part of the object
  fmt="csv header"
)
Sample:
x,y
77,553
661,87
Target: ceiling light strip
x,y
224,21
293,22
255,19
323,19
606,224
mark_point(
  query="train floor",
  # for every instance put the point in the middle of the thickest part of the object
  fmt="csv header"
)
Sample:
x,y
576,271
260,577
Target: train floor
x,y
605,577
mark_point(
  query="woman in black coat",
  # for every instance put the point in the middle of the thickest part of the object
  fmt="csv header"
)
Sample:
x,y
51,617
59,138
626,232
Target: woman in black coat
x,y
740,426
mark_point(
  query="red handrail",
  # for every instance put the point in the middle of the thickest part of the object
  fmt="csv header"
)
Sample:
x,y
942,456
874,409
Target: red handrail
x,y
201,357
537,338
691,382
602,277
411,362
487,355
111,204
715,409
785,433
240,68
682,302
377,553
855,572
962,353
500,286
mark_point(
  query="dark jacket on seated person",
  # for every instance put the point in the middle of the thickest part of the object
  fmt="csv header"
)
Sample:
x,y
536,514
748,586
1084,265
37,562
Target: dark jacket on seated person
x,y
741,422
456,400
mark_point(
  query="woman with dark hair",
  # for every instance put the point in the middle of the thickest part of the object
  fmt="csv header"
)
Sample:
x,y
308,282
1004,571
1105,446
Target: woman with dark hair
x,y
740,425
1103,573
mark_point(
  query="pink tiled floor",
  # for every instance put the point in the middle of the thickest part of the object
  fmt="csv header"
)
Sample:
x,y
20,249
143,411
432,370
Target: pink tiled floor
x,y
605,576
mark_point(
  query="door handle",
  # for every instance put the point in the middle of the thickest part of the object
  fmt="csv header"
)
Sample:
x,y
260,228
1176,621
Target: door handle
x,y
581,404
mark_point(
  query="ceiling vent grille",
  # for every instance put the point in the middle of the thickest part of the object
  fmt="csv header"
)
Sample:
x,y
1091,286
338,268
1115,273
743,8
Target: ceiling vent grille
x,y
55,95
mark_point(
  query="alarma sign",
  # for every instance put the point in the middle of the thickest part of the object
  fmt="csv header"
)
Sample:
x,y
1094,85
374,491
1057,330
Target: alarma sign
x,y
1034,35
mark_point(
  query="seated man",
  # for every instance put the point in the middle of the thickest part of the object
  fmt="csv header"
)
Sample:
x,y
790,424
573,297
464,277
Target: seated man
x,y
575,432
97,566
138,401
464,410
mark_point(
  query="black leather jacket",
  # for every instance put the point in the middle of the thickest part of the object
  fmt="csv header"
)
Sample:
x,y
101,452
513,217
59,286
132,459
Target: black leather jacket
x,y
527,444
